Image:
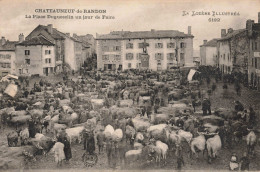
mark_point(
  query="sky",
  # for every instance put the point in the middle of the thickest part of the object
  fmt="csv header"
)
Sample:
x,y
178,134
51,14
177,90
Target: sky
x,y
141,15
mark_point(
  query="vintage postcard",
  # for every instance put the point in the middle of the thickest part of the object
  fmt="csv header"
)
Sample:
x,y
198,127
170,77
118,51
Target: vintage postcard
x,y
130,85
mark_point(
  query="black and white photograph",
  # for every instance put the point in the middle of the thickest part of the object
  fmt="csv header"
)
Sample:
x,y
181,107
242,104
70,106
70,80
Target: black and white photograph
x,y
111,85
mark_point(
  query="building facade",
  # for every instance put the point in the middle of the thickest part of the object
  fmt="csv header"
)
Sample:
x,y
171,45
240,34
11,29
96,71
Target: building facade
x,y
35,57
68,50
163,48
208,53
254,53
233,51
7,57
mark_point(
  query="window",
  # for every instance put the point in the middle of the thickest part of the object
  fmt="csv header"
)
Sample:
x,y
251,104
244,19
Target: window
x,y
158,56
129,56
138,56
27,61
224,56
47,52
158,45
129,46
183,45
48,60
117,57
105,57
170,56
116,48
255,62
20,71
105,48
170,45
129,65
252,62
27,52
26,70
140,45
255,45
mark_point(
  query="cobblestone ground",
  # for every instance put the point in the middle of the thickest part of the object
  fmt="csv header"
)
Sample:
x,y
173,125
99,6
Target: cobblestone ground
x,y
219,98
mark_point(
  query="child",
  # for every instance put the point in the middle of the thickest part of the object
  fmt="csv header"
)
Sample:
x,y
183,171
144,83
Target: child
x,y
233,164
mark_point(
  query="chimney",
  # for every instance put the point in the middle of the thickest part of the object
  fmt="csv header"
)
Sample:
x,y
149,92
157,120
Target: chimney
x,y
3,40
50,28
249,27
75,36
258,17
21,38
205,42
189,30
68,34
223,33
230,30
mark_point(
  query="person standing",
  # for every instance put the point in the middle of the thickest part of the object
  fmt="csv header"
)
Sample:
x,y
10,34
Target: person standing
x,y
31,128
233,164
109,150
252,116
244,162
100,141
67,149
204,106
178,153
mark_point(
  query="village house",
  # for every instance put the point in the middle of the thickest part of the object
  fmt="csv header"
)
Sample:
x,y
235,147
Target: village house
x,y
254,53
208,53
155,50
67,50
7,56
35,56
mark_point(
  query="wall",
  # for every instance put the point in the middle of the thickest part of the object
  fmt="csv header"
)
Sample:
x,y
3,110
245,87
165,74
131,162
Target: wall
x,y
224,62
48,56
208,55
7,57
69,53
151,50
35,57
111,53
78,55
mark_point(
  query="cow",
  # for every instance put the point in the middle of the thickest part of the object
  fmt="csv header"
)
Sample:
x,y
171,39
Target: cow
x,y
198,144
213,146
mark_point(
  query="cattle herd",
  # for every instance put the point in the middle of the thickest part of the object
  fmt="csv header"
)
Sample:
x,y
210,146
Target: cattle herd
x,y
146,116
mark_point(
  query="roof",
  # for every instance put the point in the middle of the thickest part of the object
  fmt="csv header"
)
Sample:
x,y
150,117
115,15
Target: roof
x,y
39,40
56,34
211,43
8,46
144,34
230,35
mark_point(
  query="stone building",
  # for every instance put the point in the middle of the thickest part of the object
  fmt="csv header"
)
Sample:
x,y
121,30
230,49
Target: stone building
x,y
68,50
233,51
35,56
7,56
254,53
208,53
155,50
